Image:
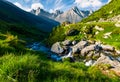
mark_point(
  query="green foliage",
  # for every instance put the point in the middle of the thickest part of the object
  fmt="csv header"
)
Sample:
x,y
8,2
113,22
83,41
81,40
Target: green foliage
x,y
107,11
87,31
22,30
27,66
58,34
18,64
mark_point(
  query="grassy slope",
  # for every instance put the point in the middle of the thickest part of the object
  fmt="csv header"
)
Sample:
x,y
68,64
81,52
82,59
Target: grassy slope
x,y
18,64
110,10
89,29
12,14
22,30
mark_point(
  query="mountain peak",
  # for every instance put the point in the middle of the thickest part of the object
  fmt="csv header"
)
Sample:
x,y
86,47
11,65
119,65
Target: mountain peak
x,y
75,8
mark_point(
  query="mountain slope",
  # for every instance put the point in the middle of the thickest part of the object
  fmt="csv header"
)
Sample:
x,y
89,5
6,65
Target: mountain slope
x,y
110,10
12,14
73,15
109,34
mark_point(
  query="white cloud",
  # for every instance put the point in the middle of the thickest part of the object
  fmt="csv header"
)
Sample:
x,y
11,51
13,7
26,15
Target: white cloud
x,y
89,3
20,6
33,6
36,5
52,11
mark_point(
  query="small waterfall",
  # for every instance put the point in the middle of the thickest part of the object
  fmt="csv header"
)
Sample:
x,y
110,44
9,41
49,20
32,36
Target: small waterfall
x,y
69,54
39,47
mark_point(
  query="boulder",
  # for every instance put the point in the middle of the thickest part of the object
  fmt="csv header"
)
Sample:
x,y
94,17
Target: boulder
x,y
107,60
72,32
87,49
67,42
108,48
80,45
115,64
57,48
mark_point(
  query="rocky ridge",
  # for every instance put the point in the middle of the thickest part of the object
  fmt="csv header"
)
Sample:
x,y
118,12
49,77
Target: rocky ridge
x,y
73,15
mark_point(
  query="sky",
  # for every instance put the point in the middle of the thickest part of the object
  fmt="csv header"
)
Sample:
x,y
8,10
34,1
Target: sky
x,y
52,5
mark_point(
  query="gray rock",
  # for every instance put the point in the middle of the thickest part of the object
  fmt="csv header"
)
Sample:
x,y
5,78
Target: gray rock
x,y
87,49
67,42
109,60
73,15
56,48
108,48
80,45
117,52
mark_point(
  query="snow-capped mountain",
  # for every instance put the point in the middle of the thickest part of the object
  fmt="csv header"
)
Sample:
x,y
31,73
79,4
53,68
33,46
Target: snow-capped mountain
x,y
11,13
41,12
73,15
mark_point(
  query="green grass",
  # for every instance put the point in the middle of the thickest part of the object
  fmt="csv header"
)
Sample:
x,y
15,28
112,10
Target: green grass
x,y
23,31
105,12
87,31
36,68
18,64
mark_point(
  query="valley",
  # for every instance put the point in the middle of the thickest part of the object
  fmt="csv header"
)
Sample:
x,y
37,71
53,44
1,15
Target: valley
x,y
70,46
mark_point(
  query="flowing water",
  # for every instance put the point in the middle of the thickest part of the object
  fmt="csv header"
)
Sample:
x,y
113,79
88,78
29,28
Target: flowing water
x,y
40,47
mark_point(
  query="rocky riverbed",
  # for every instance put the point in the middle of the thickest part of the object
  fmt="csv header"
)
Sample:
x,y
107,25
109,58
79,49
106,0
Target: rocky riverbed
x,y
90,52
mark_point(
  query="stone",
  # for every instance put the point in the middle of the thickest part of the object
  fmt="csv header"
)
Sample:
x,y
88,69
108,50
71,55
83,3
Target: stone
x,y
87,49
91,42
107,35
108,48
117,52
115,64
98,28
80,45
57,48
107,60
118,58
67,42
117,24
